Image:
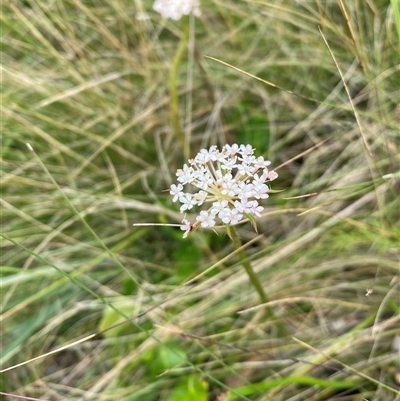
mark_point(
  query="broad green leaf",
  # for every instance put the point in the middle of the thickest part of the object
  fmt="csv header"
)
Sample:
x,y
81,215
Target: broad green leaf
x,y
192,388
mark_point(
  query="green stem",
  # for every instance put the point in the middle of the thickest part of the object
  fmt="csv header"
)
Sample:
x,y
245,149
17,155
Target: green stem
x,y
172,83
233,235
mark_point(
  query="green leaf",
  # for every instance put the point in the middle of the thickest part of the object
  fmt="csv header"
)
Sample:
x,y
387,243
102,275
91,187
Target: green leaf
x,y
111,317
192,388
187,256
27,328
252,221
302,380
163,357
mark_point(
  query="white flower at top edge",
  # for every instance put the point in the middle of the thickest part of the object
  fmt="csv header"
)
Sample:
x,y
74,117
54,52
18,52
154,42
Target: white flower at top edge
x,y
233,180
175,9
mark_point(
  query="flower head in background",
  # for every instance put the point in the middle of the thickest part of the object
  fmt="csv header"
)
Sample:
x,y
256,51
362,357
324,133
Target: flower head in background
x,y
232,180
174,9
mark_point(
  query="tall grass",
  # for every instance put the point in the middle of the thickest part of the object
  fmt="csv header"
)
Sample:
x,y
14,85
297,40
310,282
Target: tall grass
x,y
95,309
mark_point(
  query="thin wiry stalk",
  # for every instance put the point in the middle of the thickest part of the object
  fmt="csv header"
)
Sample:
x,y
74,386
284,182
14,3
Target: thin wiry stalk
x,y
173,83
254,279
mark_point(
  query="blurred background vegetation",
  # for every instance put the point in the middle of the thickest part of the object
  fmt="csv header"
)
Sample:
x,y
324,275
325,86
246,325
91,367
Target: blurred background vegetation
x,y
85,84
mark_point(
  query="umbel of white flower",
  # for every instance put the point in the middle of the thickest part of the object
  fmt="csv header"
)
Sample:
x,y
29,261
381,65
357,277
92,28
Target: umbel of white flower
x,y
174,9
233,180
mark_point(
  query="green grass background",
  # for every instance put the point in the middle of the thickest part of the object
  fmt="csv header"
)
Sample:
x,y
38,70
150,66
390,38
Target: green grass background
x,y
85,84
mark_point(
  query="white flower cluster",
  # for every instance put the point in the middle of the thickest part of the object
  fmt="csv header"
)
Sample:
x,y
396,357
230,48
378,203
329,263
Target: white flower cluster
x,y
174,9
233,179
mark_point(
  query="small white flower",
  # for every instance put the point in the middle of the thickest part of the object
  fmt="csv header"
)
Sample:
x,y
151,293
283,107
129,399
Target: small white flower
x,y
245,190
174,9
245,169
231,180
231,150
206,220
230,216
200,197
254,208
203,180
228,164
246,206
185,175
261,163
176,190
260,191
187,201
218,207
246,150
236,216
214,152
248,159
204,156
258,180
229,185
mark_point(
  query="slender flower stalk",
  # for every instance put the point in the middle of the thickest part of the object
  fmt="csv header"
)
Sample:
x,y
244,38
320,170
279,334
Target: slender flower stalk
x,y
177,9
233,235
173,83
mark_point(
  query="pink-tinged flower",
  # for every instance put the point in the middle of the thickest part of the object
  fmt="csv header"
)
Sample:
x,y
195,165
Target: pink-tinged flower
x,y
187,227
175,9
232,179
270,175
